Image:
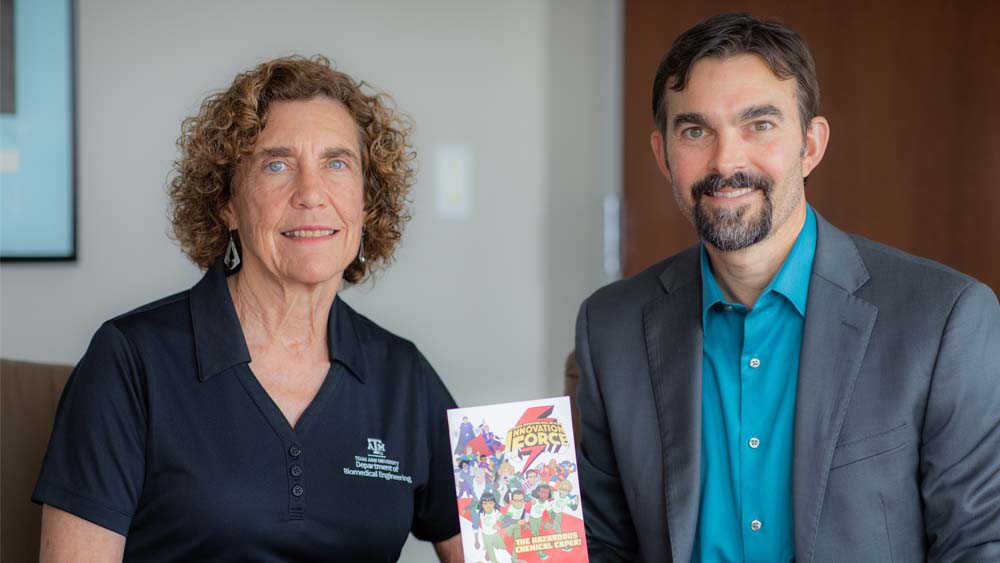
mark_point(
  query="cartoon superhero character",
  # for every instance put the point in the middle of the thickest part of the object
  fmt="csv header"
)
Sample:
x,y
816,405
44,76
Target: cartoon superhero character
x,y
469,456
480,488
541,502
561,502
490,522
490,439
549,471
533,481
464,479
566,468
516,517
465,435
507,482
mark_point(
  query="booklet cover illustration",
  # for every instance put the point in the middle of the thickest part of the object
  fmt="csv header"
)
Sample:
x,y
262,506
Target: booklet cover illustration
x,y
516,482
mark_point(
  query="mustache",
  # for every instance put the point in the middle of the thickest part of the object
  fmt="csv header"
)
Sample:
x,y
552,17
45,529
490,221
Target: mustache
x,y
715,182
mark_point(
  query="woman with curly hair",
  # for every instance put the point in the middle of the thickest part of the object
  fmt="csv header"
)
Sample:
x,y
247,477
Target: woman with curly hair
x,y
257,416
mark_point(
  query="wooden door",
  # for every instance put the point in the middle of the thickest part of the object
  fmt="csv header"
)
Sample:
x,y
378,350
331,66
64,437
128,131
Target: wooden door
x,y
912,92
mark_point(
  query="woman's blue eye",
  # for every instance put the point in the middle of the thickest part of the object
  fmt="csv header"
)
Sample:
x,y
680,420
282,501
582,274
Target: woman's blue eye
x,y
276,166
336,164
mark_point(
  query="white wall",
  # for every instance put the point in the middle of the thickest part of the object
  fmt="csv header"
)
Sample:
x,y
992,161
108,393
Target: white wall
x,y
531,86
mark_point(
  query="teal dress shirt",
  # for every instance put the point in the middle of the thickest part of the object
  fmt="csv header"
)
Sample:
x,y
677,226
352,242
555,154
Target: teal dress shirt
x,y
749,374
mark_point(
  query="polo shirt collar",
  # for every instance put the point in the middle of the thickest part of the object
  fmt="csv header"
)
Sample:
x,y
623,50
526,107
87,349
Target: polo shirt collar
x,y
792,280
218,337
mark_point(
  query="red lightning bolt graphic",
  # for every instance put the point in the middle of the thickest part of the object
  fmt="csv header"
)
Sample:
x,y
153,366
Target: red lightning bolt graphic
x,y
534,414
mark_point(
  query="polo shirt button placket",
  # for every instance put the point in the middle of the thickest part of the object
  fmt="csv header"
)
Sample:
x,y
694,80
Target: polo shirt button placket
x,y
296,502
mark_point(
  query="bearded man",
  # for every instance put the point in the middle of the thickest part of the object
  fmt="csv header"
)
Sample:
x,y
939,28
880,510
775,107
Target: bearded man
x,y
782,390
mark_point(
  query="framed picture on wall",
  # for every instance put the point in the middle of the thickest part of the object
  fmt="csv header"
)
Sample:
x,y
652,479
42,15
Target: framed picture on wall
x,y
37,132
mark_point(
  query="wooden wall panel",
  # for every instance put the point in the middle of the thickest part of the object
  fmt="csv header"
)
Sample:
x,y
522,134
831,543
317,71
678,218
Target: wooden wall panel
x,y
912,92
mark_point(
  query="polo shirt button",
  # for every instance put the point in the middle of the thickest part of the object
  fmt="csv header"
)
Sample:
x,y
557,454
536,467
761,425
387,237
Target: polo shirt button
x,y
754,363
756,525
297,490
296,471
294,451
754,442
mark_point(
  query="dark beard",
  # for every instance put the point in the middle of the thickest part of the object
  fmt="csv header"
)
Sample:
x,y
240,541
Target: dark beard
x,y
727,229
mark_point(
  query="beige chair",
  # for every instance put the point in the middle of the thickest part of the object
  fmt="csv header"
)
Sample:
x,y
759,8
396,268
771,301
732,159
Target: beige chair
x,y
29,394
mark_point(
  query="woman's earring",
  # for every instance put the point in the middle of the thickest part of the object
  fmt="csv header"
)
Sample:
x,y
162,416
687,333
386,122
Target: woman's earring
x,y
361,250
232,258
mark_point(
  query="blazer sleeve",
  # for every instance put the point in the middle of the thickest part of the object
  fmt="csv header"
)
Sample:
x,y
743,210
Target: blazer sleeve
x,y
611,535
960,446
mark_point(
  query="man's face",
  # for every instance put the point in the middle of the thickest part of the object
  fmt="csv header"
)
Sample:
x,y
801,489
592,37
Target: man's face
x,y
734,152
544,493
532,478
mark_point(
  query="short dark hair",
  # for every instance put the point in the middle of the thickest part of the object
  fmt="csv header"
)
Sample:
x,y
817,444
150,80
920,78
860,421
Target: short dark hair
x,y
730,34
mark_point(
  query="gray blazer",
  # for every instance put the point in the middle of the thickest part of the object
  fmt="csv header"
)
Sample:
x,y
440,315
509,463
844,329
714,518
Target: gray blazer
x,y
897,416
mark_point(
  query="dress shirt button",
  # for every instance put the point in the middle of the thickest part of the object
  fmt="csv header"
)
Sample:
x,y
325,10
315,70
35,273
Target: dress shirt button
x,y
297,490
754,442
756,525
294,451
296,471
728,307
754,363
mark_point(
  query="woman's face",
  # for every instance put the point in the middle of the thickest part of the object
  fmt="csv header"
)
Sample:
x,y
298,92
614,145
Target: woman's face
x,y
298,200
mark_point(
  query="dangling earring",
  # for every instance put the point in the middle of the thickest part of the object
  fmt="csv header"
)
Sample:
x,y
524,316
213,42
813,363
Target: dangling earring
x,y
232,259
361,250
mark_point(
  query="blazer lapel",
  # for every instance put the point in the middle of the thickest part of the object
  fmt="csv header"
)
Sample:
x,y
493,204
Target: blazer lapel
x,y
673,331
837,328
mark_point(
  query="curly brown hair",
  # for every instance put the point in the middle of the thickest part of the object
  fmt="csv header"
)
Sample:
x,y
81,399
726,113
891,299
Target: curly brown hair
x,y
213,143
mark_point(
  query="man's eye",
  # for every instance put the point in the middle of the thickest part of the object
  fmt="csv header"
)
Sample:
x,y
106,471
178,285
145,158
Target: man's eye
x,y
337,164
763,126
276,166
693,132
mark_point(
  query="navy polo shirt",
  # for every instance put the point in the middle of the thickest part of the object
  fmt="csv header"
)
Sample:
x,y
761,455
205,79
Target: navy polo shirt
x,y
164,435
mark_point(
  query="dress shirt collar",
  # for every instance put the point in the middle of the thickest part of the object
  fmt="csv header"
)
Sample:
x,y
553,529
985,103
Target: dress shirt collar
x,y
791,281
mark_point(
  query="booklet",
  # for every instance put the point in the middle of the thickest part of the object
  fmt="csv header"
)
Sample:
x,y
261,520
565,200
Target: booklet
x,y
516,482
